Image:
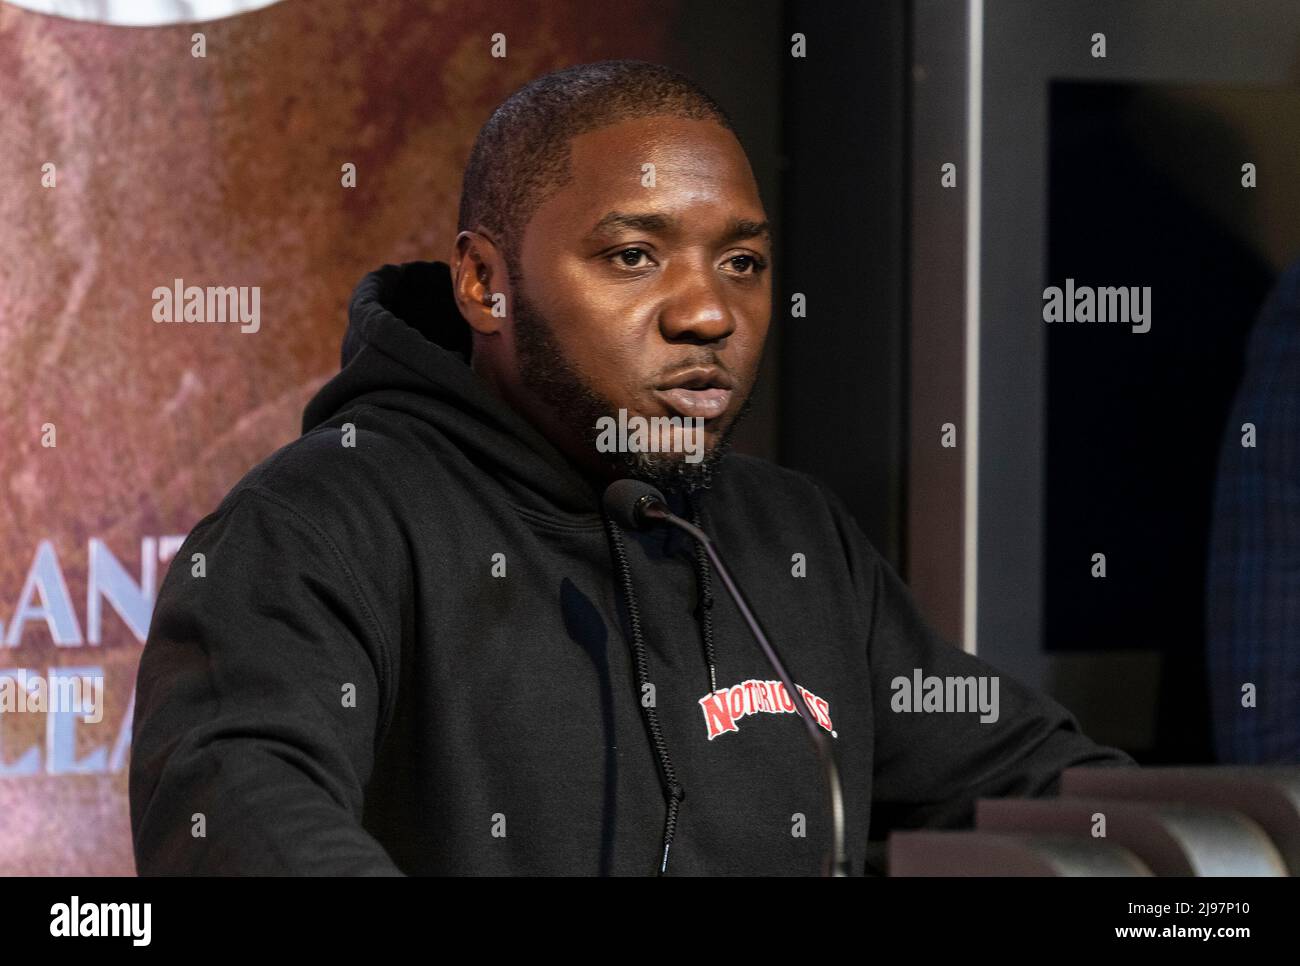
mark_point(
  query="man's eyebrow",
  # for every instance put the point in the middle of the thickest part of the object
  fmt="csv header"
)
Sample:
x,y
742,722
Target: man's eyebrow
x,y
644,221
736,230
739,229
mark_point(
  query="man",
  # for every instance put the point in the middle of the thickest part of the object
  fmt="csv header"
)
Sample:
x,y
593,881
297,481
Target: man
x,y
411,642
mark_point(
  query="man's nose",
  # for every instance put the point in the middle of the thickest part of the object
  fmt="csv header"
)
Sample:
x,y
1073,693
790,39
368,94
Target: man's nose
x,y
697,311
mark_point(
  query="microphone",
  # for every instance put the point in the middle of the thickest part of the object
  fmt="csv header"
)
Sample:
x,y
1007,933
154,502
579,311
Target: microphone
x,y
635,505
639,506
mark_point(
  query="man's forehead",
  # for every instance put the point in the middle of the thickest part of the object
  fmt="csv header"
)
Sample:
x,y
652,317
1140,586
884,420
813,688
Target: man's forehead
x,y
676,176
680,154
660,222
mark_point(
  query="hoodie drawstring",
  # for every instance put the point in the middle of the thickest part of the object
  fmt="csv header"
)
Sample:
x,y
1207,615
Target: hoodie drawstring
x,y
674,793
704,612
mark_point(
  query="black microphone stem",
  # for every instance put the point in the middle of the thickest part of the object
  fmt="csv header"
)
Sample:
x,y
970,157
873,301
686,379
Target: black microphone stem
x,y
837,862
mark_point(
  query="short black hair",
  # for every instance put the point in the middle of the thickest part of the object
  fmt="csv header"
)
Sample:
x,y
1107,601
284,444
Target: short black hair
x,y
522,154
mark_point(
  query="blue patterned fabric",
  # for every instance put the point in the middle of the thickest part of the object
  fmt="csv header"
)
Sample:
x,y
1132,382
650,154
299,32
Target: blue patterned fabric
x,y
1253,604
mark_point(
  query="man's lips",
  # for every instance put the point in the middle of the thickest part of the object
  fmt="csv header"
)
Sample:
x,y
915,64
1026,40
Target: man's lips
x,y
701,403
699,392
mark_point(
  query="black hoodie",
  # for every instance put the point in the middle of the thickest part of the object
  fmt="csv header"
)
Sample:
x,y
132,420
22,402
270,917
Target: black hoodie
x,y
413,643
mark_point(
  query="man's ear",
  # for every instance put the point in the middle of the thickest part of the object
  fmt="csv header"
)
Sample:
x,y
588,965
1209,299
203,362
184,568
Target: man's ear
x,y
479,282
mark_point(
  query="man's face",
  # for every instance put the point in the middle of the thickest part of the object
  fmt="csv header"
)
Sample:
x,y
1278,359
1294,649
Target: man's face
x,y
654,298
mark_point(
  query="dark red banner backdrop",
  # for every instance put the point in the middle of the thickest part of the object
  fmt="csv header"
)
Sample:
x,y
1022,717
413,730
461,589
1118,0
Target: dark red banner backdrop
x,y
130,163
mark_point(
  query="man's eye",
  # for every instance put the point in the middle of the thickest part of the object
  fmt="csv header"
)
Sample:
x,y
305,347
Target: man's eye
x,y
753,260
635,252
631,258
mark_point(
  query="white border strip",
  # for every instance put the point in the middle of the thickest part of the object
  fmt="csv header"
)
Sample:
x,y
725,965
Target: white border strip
x,y
143,13
974,133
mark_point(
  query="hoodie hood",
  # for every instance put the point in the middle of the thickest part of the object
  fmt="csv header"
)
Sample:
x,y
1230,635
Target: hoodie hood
x,y
407,347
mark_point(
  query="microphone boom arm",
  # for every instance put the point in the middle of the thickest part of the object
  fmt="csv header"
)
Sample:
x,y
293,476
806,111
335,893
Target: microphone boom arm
x,y
651,508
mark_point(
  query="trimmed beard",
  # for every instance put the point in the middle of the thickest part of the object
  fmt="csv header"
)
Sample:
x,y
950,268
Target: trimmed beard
x,y
554,381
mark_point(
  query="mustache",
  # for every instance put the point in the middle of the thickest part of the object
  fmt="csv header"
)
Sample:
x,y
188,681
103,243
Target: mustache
x,y
710,360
